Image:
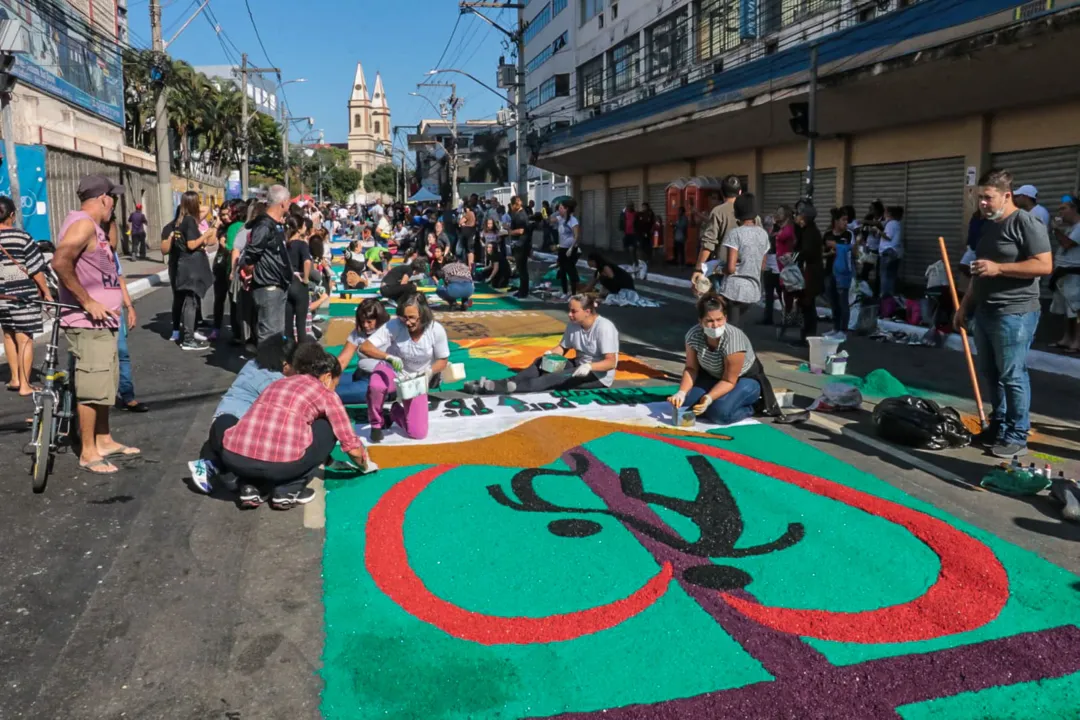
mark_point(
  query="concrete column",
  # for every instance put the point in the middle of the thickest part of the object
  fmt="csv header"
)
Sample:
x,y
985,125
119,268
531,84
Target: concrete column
x,y
756,180
843,172
976,155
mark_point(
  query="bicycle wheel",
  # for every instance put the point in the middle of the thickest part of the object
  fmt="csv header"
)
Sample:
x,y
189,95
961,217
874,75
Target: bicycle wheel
x,y
42,462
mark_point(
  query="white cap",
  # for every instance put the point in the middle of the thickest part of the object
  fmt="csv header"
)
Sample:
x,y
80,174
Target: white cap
x,y
1027,191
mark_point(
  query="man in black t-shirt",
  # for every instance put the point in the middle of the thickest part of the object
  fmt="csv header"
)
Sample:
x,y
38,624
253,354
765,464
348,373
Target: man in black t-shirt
x,y
397,283
520,243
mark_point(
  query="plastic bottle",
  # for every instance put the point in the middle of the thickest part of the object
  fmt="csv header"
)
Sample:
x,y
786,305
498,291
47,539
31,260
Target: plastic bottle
x,y
1048,473
1015,465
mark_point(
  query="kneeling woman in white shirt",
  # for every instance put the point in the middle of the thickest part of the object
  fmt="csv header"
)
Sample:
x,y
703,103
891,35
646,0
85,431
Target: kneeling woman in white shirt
x,y
595,342
414,343
722,381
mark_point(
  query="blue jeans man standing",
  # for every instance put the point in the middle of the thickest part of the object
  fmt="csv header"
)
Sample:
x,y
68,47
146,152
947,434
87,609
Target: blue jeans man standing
x,y
125,396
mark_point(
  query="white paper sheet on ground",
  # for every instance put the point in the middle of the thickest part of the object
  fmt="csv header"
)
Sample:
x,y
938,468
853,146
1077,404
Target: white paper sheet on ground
x,y
479,417
629,298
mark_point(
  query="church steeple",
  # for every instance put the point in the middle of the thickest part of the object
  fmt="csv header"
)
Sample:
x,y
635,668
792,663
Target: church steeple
x,y
369,124
380,113
359,91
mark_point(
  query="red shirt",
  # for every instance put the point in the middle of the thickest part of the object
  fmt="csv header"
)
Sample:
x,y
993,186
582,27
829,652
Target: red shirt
x,y
628,219
277,428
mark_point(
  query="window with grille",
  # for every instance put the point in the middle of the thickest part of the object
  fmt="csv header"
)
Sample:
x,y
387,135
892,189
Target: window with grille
x,y
538,23
544,55
557,6
667,44
591,83
623,63
718,27
590,9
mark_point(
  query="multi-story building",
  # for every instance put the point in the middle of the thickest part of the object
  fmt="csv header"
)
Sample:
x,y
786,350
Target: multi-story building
x,y
68,109
915,98
550,31
261,90
433,140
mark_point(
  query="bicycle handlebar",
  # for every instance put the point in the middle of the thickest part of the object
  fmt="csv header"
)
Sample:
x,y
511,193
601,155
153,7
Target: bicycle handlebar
x,y
37,301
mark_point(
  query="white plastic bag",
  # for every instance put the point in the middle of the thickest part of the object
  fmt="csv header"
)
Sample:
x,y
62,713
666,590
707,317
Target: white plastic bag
x,y
838,396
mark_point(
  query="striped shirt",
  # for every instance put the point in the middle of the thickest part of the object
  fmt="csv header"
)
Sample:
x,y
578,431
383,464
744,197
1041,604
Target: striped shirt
x,y
711,361
24,251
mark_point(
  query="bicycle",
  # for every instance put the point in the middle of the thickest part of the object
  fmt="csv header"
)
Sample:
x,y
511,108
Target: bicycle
x,y
54,403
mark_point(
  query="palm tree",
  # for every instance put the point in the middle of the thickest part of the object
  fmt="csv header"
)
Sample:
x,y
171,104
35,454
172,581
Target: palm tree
x,y
490,160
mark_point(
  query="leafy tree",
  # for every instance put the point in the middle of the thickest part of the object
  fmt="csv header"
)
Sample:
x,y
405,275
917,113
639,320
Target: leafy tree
x,y
343,181
383,180
490,160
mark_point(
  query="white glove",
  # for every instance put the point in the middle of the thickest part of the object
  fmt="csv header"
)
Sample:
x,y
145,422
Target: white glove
x,y
677,399
395,362
582,370
702,405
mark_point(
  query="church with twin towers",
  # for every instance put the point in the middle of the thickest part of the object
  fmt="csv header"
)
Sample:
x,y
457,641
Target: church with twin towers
x,y
369,125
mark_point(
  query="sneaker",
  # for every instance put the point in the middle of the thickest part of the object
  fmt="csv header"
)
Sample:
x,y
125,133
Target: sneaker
x,y
376,435
201,473
467,304
250,497
195,344
200,336
988,438
288,501
1006,450
175,337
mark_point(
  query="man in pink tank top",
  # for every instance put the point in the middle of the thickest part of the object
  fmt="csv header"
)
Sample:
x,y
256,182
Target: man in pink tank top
x,y
86,267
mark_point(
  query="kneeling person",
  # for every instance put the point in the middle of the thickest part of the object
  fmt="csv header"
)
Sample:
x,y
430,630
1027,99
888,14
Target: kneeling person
x,y
457,284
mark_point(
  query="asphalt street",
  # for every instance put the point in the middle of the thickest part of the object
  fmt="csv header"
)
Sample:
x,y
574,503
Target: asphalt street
x,y
132,596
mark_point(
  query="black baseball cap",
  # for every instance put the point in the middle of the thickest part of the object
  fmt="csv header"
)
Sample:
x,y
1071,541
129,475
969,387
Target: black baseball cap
x,y
92,186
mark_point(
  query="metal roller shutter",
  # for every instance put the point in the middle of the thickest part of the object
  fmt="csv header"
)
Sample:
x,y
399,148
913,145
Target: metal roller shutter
x,y
934,208
780,189
658,198
1053,172
620,197
591,213
824,191
877,182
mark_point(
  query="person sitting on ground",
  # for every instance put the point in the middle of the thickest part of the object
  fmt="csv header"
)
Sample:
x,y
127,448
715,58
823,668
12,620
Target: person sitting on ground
x,y
370,316
611,278
377,260
595,342
272,361
397,282
497,272
457,284
722,380
415,344
355,267
289,432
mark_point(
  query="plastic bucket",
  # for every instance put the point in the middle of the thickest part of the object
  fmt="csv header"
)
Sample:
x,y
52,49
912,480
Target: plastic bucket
x,y
836,365
820,349
552,363
409,387
454,372
683,417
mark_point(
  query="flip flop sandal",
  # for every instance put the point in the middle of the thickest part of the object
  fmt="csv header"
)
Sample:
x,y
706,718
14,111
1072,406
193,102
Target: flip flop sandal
x,y
122,452
12,388
89,467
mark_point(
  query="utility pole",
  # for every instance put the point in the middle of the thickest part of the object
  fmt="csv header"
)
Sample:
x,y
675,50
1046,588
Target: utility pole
x,y
161,119
811,135
284,143
245,145
517,37
450,108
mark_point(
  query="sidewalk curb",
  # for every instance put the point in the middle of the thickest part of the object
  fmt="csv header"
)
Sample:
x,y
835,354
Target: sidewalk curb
x,y
834,427
137,289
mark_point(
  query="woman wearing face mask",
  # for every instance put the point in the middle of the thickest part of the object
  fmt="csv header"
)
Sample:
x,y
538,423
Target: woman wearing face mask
x,y
595,342
722,380
370,316
414,343
280,442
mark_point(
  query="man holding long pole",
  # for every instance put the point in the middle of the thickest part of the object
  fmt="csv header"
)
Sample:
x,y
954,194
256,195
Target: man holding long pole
x,y
1013,252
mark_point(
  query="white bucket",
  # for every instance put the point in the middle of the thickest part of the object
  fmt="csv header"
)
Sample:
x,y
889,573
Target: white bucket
x,y
409,387
453,372
836,365
820,349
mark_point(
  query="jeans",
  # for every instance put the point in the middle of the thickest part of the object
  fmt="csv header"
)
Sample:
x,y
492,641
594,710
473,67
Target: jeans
x,y
270,311
190,313
138,242
735,312
353,389
297,310
533,379
459,290
736,405
890,268
1003,342
126,391
771,281
222,284
838,298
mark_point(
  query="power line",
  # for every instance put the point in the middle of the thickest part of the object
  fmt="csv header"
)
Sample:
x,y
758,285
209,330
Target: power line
x,y
281,86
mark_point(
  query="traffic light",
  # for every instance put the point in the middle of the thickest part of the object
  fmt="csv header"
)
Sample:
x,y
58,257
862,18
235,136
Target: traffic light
x,y
7,78
800,118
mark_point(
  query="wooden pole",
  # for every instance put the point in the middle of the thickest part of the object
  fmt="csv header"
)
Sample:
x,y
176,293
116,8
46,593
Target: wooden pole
x,y
963,334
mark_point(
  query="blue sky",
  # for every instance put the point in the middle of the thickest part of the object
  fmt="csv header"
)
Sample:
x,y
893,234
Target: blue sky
x,y
322,40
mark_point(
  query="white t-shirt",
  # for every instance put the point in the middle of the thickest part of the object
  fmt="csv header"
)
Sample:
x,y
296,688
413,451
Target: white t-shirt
x,y
1042,214
417,355
1070,257
363,362
566,231
892,238
593,344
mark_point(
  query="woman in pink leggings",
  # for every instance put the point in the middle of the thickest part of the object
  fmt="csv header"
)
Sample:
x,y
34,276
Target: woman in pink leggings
x,y
414,343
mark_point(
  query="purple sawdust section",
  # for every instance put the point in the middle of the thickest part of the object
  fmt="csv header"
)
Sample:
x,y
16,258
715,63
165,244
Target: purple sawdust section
x,y
807,686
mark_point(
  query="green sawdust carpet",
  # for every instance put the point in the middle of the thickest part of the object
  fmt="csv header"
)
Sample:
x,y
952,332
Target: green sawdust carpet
x,y
556,571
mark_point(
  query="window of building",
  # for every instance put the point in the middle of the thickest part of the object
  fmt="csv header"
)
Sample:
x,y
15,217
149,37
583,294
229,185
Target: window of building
x,y
590,9
614,11
557,6
667,42
590,81
544,55
376,127
538,23
718,27
623,65
356,121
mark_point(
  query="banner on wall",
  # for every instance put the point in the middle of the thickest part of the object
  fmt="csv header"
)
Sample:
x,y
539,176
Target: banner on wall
x,y
67,59
32,189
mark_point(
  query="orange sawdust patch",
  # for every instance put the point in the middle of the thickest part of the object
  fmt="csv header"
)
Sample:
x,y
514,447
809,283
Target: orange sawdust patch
x,y
520,352
971,422
534,443
337,332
